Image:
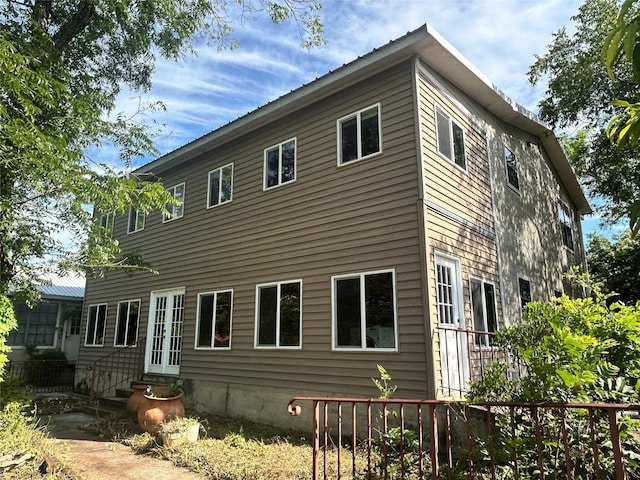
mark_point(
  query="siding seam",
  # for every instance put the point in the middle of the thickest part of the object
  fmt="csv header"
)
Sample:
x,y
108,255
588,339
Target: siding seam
x,y
458,219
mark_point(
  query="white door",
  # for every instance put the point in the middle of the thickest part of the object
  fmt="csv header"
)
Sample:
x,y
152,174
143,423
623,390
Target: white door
x,y
71,332
454,358
164,332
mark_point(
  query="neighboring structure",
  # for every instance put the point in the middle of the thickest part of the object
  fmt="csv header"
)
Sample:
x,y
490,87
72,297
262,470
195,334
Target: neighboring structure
x,y
373,216
52,323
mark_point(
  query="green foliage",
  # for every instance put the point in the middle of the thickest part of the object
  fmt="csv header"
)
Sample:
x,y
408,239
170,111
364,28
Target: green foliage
x,y
382,384
7,323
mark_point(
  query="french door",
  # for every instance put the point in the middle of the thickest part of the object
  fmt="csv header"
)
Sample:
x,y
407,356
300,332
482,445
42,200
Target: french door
x,y
164,332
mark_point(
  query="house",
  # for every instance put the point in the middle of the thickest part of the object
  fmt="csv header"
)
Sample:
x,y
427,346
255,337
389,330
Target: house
x,y
395,211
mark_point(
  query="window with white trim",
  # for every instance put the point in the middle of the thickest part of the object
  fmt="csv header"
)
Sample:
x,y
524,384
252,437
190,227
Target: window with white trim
x,y
359,135
450,139
175,211
364,311
511,164
566,224
127,323
96,325
136,220
213,328
483,309
36,326
220,186
106,223
448,288
280,164
279,314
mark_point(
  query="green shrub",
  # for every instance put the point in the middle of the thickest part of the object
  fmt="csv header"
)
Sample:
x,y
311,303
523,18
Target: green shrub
x,y
7,323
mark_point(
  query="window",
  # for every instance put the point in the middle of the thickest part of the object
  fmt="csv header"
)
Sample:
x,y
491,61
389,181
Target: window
x,y
175,211
214,320
525,291
483,308
450,137
96,323
106,223
512,168
136,220
279,314
359,135
448,289
127,323
220,186
280,164
36,326
566,224
364,313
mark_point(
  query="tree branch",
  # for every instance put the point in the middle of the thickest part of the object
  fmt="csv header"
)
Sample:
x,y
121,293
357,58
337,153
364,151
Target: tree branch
x,y
83,16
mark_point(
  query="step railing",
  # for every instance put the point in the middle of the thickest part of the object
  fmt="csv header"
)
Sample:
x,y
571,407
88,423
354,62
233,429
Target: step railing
x,y
117,369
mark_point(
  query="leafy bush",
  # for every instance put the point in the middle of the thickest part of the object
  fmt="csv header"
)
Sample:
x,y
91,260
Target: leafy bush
x,y
7,323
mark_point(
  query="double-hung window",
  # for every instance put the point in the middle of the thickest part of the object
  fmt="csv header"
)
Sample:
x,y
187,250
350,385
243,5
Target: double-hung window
x,y
136,220
220,186
213,329
359,135
511,163
483,308
279,314
364,311
106,223
450,139
175,210
127,323
566,224
96,325
280,164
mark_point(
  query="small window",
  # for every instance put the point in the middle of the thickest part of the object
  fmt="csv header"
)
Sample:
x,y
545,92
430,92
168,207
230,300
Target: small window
x,y
127,323
512,168
279,314
450,139
280,164
359,135
136,220
106,223
177,210
525,291
214,320
483,307
96,325
364,313
220,186
566,224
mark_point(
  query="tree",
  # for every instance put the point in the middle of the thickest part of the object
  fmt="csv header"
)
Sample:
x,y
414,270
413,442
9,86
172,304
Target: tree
x,y
62,65
580,94
616,265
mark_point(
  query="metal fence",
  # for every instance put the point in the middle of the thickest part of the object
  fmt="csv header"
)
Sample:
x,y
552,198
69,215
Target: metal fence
x,y
44,375
356,438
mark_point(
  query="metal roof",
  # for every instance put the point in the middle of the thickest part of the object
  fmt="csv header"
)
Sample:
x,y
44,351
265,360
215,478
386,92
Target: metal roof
x,y
50,291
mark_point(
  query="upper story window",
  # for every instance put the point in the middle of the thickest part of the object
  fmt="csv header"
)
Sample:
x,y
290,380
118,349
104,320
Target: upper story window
x,y
220,186
450,137
127,323
280,164
512,168
359,135
96,325
214,320
483,308
136,220
524,286
566,224
176,210
106,223
279,314
364,312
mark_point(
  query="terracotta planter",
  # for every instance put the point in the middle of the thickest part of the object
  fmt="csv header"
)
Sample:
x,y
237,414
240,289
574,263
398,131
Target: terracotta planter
x,y
136,400
156,411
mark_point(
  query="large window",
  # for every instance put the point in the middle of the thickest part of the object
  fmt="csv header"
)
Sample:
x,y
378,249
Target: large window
x,y
280,164
279,314
136,220
127,323
364,312
96,325
359,135
450,138
175,211
220,185
512,168
214,320
36,326
483,308
566,224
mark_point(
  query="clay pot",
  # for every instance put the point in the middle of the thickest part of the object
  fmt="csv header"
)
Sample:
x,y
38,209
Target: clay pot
x,y
156,411
136,400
